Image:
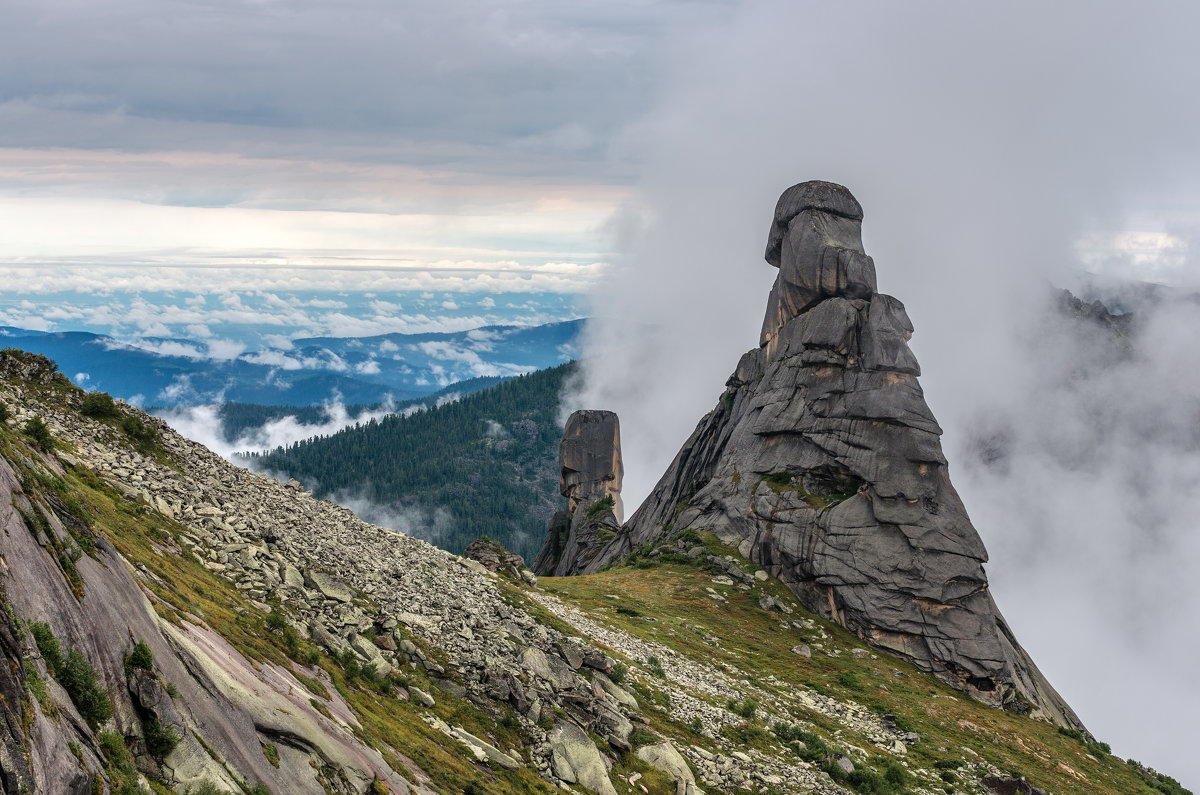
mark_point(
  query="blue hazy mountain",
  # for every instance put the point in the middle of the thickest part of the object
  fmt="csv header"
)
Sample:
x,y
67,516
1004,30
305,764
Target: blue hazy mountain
x,y
178,371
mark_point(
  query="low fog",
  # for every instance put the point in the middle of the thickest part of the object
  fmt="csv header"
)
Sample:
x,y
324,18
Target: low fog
x,y
997,150
203,424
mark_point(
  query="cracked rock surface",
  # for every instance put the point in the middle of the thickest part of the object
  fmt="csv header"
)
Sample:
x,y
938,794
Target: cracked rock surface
x,y
822,463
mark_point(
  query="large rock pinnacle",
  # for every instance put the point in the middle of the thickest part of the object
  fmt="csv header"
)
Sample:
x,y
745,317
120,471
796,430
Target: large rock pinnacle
x,y
590,473
822,463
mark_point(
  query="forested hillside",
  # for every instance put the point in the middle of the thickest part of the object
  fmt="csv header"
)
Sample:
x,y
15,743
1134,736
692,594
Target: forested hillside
x,y
483,465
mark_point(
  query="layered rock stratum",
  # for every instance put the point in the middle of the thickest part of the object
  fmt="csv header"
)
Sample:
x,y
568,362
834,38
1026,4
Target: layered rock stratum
x,y
822,463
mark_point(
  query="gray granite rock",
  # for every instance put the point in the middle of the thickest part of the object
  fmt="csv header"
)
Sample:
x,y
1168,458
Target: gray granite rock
x,y
822,462
590,472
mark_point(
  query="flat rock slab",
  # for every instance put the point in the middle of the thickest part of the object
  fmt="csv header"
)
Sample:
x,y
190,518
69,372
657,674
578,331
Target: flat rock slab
x,y
329,587
573,751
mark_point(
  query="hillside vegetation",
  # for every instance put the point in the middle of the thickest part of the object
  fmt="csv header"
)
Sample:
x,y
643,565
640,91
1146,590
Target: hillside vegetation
x,y
489,462
174,624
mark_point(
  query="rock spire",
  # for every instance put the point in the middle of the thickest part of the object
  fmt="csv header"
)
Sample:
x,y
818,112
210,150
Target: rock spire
x,y
822,463
590,473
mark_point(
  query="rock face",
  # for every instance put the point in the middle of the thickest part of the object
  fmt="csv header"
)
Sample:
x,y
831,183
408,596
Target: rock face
x,y
590,478
822,463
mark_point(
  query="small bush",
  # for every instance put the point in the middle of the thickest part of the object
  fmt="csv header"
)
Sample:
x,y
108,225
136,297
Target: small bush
x,y
1074,734
143,436
271,752
35,428
3,412
275,621
160,740
172,690
79,679
141,657
618,673
98,405
640,736
695,726
601,505
115,751
895,774
1099,749
47,646
780,479
746,709
655,667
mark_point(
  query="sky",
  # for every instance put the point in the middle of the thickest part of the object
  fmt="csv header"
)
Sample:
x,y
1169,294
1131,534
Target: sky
x,y
626,156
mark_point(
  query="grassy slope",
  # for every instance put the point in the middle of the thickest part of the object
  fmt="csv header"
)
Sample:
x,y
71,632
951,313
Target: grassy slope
x,y
756,645
185,587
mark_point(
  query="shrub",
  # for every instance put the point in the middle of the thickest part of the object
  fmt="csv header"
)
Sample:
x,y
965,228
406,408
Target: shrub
x,y
160,740
655,667
47,646
640,736
746,709
275,621
617,674
140,657
1099,749
1074,734
3,412
35,428
115,751
79,679
895,774
98,405
780,479
601,505
143,436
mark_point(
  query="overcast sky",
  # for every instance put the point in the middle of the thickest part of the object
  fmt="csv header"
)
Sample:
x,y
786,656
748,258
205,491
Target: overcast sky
x,y
634,151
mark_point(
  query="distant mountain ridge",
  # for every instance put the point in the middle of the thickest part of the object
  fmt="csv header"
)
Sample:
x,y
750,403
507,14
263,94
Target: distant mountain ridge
x,y
357,370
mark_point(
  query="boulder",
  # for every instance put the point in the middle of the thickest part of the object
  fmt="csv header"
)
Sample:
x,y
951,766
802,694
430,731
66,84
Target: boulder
x,y
572,753
330,587
664,758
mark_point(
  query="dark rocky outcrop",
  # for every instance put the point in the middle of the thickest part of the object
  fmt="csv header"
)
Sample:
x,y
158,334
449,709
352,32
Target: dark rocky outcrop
x,y
590,478
822,463
496,558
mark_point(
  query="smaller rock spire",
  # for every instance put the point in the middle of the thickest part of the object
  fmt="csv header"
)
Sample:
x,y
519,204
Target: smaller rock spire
x,y
590,473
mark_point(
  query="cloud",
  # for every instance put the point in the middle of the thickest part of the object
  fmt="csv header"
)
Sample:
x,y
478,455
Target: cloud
x,y
202,423
487,302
